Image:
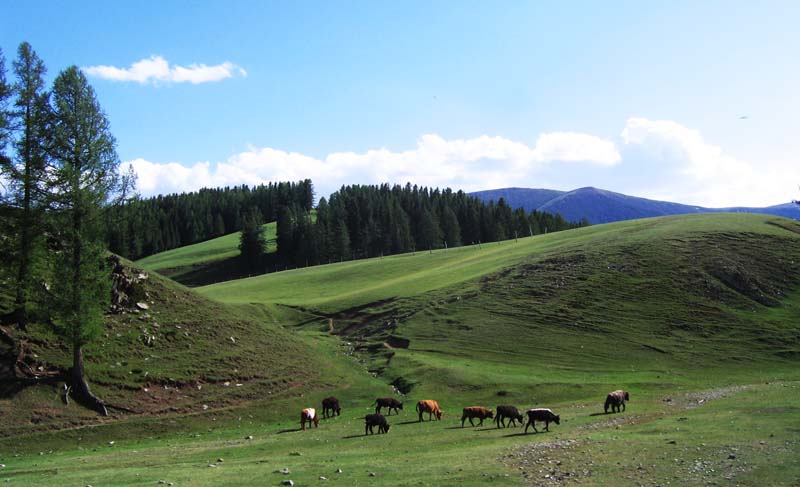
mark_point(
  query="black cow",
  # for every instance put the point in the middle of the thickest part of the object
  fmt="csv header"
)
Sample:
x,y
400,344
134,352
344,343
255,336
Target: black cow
x,y
378,420
388,402
541,414
510,412
331,404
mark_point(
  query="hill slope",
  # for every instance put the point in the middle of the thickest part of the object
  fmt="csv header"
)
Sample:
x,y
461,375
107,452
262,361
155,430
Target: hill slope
x,y
601,206
212,260
166,350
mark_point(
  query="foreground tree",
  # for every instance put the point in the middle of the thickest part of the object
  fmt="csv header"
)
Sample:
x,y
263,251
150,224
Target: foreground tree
x,y
86,182
5,96
25,171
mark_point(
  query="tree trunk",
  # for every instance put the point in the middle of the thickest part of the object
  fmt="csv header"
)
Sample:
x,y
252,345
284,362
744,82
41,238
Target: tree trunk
x,y
79,387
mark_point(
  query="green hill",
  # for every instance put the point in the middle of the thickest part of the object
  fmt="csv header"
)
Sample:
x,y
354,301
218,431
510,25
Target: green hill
x,y
209,261
698,317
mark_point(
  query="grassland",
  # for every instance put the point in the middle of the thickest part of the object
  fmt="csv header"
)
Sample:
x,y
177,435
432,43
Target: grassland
x,y
188,263
697,316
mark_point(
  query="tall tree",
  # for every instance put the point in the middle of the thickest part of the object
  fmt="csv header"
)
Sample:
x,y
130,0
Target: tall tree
x,y
252,241
5,96
86,181
25,171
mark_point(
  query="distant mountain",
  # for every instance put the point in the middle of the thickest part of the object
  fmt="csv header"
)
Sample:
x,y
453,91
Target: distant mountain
x,y
601,206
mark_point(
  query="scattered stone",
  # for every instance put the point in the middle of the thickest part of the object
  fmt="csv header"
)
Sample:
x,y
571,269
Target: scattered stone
x,y
284,471
732,456
2,465
248,437
142,305
287,482
295,454
338,470
212,465
170,484
162,482
110,443
205,406
372,474
323,478
220,460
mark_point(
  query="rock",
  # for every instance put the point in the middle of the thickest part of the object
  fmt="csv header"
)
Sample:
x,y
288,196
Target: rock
x,y
2,465
323,478
110,443
284,471
162,482
170,484
248,437
220,460
732,456
372,474
338,470
212,465
287,482
142,305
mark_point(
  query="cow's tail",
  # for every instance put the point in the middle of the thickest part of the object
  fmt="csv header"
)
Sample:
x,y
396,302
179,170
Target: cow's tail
x,y
417,407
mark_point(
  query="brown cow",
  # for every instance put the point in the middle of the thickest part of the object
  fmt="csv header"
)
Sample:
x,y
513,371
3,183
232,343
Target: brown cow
x,y
509,412
429,406
375,420
309,415
476,412
331,404
615,400
388,402
541,414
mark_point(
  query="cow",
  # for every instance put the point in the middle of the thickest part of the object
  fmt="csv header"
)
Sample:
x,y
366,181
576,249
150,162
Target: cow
x,y
331,404
388,402
476,412
429,406
378,420
309,415
615,400
510,412
541,414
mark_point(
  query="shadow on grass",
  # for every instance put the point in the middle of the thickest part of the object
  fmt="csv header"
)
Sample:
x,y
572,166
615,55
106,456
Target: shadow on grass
x,y
353,436
599,414
525,434
411,422
288,430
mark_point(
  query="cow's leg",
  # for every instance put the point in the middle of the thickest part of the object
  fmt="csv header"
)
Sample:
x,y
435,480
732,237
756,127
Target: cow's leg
x,y
526,426
623,405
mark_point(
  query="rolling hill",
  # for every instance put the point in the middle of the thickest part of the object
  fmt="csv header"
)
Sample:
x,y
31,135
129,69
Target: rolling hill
x,y
697,316
601,206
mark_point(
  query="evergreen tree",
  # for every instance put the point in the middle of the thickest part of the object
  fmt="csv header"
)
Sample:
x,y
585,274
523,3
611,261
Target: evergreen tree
x,y
86,180
450,228
26,170
252,242
5,115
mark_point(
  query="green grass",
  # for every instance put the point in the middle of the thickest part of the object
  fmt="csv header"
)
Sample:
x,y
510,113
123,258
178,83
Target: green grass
x,y
675,310
175,262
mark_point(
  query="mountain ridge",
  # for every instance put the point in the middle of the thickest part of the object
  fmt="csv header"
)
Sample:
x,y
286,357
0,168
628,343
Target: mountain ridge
x,y
603,206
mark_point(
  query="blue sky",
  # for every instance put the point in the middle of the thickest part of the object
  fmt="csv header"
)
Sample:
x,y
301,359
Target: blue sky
x,y
642,99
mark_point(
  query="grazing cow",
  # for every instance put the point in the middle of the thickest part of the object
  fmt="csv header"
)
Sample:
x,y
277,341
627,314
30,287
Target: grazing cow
x,y
429,406
331,404
476,412
541,414
375,420
388,402
309,415
615,400
509,412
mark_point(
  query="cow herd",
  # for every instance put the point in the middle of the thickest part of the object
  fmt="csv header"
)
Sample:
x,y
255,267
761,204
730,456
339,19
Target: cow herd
x,y
330,407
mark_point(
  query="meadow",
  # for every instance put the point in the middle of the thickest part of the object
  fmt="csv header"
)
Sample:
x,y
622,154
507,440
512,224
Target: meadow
x,y
697,316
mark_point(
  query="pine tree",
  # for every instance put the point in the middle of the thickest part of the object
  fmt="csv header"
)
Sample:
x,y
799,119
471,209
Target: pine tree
x,y
86,180
450,228
26,170
252,242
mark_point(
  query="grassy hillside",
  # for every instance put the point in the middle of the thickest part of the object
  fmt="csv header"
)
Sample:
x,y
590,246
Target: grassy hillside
x,y
698,317
184,263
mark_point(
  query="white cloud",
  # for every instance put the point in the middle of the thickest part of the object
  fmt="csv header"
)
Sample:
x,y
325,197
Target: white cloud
x,y
701,173
469,164
659,159
158,69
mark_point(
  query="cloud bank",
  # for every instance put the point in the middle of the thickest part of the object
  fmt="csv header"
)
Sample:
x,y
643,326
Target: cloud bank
x,y
659,159
157,69
468,164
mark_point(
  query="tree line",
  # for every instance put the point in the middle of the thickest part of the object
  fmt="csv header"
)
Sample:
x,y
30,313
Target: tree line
x,y
373,220
60,174
147,226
